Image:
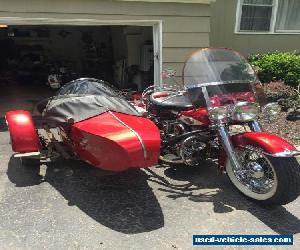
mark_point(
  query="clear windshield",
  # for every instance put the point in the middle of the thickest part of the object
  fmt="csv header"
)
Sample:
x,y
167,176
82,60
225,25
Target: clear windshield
x,y
216,66
218,77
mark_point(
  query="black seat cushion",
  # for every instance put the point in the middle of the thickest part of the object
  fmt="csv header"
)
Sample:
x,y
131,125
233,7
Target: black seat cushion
x,y
174,102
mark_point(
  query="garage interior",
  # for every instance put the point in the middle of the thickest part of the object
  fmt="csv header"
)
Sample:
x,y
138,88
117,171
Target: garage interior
x,y
120,55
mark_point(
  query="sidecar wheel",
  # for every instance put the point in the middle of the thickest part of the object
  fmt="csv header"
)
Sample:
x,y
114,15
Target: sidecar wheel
x,y
30,162
269,180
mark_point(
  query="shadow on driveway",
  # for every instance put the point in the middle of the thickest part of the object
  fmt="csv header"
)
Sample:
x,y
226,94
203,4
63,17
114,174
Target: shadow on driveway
x,y
122,202
125,203
224,196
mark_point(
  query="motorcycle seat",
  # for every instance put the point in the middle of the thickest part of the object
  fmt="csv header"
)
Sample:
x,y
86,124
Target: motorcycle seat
x,y
171,101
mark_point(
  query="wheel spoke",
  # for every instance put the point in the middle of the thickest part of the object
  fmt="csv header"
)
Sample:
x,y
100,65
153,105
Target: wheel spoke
x,y
256,173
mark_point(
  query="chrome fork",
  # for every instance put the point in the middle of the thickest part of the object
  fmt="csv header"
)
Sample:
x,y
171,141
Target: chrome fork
x,y
228,147
255,126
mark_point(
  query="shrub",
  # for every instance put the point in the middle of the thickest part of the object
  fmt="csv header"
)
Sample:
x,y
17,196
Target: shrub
x,y
277,66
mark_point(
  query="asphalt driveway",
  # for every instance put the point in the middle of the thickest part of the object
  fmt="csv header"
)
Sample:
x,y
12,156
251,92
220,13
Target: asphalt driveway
x,y
69,205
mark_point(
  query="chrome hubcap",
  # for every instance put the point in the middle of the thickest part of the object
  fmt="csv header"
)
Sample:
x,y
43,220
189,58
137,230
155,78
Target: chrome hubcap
x,y
256,172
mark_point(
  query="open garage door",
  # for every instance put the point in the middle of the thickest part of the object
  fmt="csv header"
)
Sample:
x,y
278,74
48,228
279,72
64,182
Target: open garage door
x,y
127,56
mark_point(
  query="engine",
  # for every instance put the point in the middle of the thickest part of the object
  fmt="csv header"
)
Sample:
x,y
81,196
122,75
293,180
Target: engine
x,y
171,128
192,150
181,144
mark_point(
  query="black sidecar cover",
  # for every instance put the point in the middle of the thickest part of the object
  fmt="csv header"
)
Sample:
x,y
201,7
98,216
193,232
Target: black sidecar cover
x,y
84,98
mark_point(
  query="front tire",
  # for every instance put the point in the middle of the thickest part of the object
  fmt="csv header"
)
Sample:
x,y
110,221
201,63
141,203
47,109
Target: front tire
x,y
269,180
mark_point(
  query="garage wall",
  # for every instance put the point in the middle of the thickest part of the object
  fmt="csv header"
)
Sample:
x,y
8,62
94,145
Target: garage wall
x,y
186,27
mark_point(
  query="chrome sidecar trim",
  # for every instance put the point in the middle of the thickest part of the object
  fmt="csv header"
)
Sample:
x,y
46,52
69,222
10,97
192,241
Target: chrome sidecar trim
x,y
133,131
30,154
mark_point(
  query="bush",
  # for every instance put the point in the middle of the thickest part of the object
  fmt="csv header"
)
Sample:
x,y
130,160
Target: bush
x,y
277,66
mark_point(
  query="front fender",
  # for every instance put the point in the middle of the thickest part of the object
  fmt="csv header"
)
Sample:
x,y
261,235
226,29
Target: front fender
x,y
271,144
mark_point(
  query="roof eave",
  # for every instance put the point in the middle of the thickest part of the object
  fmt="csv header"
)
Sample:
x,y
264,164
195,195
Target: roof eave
x,y
173,1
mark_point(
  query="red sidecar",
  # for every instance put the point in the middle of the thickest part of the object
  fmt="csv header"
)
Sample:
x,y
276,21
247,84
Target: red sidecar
x,y
90,121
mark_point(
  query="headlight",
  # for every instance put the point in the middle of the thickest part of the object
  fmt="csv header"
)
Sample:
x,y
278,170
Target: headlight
x,y
245,111
218,113
271,110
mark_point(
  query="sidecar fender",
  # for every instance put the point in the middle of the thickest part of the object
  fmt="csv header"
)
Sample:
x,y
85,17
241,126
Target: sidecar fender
x,y
270,143
23,135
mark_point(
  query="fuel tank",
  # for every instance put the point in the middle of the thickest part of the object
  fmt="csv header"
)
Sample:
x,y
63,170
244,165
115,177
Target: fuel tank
x,y
116,141
197,116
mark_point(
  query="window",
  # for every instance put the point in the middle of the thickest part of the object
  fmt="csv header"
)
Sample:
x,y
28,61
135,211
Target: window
x,y
288,15
268,16
256,15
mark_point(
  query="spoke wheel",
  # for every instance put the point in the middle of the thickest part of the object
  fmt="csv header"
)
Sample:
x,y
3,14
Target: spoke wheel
x,y
272,180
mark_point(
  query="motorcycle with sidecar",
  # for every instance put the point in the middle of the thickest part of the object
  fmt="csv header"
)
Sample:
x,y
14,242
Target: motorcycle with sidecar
x,y
90,121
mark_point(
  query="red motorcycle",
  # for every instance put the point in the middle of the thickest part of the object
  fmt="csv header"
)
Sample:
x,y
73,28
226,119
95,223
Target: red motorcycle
x,y
89,121
221,91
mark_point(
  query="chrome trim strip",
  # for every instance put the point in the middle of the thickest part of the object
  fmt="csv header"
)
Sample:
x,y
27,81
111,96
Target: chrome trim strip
x,y
30,154
135,133
199,85
284,154
206,97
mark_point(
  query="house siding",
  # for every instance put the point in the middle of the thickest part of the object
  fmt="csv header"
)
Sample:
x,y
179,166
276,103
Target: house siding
x,y
223,33
186,26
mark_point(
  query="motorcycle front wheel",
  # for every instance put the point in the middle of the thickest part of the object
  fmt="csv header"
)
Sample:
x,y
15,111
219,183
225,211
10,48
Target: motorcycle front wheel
x,y
269,180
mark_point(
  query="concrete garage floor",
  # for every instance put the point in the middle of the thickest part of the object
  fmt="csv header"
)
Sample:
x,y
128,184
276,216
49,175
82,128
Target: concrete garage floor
x,y
70,205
